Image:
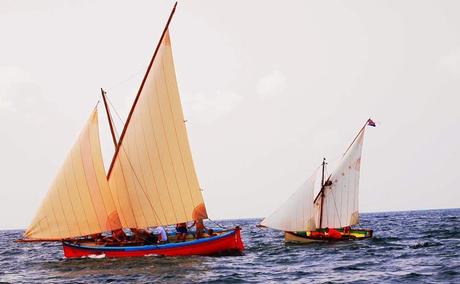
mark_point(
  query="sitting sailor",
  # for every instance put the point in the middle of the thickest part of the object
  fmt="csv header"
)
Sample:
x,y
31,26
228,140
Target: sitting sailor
x,y
181,229
160,234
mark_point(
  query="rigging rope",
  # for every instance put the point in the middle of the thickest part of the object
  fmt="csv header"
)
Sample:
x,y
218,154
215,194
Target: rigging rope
x,y
116,112
128,78
140,184
215,223
335,206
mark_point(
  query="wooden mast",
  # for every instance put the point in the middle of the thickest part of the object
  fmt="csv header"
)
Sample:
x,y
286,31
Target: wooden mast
x,y
117,149
109,118
322,194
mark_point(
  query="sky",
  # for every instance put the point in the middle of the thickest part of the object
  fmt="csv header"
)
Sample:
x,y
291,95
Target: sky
x,y
268,89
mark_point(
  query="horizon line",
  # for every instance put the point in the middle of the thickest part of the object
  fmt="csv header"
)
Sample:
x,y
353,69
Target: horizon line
x,y
230,219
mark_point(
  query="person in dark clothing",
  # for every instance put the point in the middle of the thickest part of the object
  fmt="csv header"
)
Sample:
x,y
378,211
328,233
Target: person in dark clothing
x,y
181,229
211,233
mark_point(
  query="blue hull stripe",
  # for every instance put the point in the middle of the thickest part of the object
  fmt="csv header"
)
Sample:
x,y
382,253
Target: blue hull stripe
x,y
153,247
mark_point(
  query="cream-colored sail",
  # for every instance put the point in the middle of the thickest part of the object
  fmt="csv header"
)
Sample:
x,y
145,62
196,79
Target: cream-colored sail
x,y
297,213
79,202
153,179
340,205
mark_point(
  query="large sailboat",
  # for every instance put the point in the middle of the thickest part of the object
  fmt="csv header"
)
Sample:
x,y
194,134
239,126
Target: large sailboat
x,y
331,214
151,181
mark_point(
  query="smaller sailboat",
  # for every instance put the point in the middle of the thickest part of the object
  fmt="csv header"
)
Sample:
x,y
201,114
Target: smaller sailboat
x,y
331,214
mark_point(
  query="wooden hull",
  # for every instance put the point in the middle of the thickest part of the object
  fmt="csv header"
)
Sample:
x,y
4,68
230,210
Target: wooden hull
x,y
228,243
304,238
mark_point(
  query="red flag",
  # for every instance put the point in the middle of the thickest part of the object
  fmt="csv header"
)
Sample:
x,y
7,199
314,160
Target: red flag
x,y
370,122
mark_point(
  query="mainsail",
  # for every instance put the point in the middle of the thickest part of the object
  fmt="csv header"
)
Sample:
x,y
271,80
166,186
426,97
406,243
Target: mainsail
x,y
152,177
340,193
79,202
297,213
337,202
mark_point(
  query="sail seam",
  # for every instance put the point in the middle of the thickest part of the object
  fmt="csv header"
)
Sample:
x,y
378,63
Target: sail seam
x,y
127,188
62,208
152,126
177,137
142,176
335,207
71,204
78,191
91,199
87,185
55,219
140,184
132,148
170,156
153,175
97,192
91,192
103,169
117,190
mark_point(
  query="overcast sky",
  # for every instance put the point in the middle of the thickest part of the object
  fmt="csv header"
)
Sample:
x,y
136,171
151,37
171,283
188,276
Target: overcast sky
x,y
268,89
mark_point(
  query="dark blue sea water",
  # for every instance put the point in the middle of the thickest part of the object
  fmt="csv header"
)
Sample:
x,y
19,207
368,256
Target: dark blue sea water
x,y
408,247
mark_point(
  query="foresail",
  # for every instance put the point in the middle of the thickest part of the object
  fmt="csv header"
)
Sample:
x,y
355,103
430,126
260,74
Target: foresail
x,y
79,202
341,205
153,178
297,213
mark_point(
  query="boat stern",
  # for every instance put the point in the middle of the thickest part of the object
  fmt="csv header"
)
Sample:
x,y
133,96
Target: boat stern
x,y
239,245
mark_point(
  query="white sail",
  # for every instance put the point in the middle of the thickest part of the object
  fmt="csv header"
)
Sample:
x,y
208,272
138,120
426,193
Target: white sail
x,y
340,204
297,213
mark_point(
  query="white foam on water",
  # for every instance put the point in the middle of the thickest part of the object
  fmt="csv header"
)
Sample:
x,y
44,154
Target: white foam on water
x,y
94,256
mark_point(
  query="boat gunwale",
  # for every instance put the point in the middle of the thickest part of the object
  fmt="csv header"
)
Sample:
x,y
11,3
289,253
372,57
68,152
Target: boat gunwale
x,y
369,234
150,247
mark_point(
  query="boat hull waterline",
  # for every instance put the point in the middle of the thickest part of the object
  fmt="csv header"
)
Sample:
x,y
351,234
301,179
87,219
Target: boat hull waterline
x,y
228,243
303,238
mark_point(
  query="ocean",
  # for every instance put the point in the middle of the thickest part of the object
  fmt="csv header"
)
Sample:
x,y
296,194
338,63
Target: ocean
x,y
407,247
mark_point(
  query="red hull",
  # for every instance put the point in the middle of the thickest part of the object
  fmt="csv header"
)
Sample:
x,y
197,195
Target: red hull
x,y
228,243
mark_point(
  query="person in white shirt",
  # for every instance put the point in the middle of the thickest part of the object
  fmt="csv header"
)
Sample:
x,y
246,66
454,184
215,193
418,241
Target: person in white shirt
x,y
161,234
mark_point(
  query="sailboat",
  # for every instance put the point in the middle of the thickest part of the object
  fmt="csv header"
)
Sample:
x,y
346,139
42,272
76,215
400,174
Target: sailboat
x,y
151,180
331,214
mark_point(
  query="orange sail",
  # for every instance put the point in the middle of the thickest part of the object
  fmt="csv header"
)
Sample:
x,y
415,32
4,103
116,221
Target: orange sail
x,y
152,176
79,201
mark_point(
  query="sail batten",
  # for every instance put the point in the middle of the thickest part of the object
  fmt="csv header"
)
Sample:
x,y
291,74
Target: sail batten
x,y
79,201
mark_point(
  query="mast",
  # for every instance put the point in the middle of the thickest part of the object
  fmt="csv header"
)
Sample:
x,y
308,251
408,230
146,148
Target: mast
x,y
117,149
109,118
322,193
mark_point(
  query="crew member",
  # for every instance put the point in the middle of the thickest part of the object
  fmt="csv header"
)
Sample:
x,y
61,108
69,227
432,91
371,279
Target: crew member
x,y
161,235
181,229
333,233
200,228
